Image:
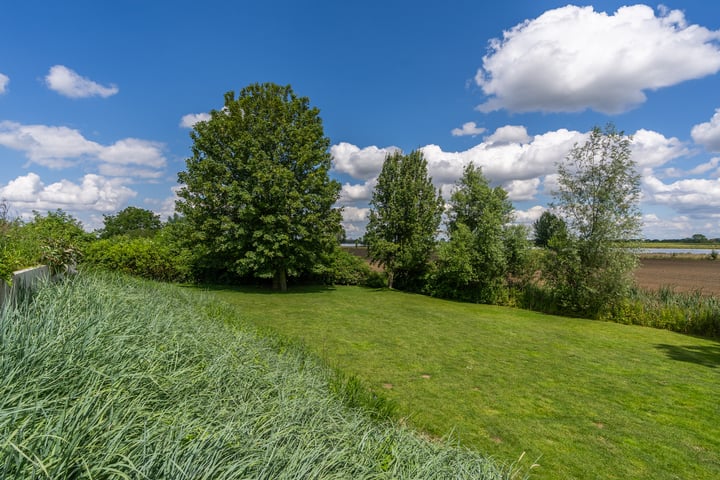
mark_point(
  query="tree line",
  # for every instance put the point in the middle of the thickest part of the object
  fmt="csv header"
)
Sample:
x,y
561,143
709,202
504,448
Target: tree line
x,y
256,202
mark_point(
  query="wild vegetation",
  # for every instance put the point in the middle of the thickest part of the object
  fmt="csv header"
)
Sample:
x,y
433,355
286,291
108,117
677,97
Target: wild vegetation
x,y
56,239
108,377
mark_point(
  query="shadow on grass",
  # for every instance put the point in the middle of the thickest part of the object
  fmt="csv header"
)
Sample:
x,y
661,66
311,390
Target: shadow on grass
x,y
265,290
707,356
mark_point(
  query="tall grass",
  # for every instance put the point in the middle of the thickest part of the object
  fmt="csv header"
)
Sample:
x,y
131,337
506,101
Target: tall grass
x,y
108,377
683,312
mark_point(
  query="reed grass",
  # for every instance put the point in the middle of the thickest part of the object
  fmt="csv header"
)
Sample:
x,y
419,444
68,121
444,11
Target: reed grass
x,y
110,377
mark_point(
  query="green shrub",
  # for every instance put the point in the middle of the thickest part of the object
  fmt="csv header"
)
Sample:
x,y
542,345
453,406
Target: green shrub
x,y
141,256
347,269
375,280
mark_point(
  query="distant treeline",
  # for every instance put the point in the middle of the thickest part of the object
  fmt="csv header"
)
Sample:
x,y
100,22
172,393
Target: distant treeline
x,y
696,238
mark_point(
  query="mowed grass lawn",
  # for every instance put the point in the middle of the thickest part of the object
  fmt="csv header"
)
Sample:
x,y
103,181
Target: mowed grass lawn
x,y
585,399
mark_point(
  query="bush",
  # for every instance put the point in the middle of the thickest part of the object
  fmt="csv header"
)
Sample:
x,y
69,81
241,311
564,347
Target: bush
x,y
142,257
347,269
376,280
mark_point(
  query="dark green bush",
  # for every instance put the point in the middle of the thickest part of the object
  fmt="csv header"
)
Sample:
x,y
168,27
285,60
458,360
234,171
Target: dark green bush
x,y
347,269
376,280
144,257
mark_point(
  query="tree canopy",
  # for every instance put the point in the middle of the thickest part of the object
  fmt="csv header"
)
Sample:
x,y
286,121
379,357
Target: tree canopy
x,y
597,197
405,213
131,221
256,190
473,263
546,227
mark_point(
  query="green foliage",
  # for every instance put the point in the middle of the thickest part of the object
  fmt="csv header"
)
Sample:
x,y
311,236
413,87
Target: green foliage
x,y
689,312
56,239
474,263
591,266
60,256
546,227
256,191
131,221
109,377
145,257
347,269
404,219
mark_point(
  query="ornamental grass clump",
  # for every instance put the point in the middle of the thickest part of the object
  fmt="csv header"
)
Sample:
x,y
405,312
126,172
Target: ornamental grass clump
x,y
104,376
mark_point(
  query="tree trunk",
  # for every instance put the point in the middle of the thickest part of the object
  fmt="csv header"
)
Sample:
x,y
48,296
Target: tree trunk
x,y
280,280
391,276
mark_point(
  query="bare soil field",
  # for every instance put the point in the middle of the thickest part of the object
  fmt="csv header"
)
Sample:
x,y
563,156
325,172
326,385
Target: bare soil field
x,y
681,274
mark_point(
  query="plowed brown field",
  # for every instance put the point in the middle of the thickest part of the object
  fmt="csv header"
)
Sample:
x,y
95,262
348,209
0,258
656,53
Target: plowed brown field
x,y
681,274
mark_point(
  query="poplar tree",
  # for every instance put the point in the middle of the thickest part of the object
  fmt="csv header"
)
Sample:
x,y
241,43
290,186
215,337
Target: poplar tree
x,y
474,262
405,213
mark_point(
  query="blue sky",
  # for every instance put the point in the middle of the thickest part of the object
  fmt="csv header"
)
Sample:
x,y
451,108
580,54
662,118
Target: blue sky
x,y
97,98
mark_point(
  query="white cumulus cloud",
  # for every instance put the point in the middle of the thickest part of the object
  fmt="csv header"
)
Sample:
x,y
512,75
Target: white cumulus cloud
x,y
351,193
527,217
189,120
518,190
49,146
708,134
134,151
355,214
355,220
359,163
94,193
686,196
573,58
504,162
4,81
652,149
60,147
509,134
68,83
469,128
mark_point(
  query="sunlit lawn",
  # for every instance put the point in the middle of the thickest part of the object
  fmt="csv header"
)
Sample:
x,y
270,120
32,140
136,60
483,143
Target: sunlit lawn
x,y
585,399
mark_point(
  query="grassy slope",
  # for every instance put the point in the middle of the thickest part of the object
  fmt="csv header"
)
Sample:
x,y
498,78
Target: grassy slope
x,y
591,399
106,377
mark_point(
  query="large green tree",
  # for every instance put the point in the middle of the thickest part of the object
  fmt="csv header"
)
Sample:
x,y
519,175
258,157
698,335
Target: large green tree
x,y
404,218
598,192
131,221
257,191
474,262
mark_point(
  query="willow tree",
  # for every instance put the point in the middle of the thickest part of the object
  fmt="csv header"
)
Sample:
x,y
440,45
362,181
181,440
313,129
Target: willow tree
x,y
257,191
405,213
597,197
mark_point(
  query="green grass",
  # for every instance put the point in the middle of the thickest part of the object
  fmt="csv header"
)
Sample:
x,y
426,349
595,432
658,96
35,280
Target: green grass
x,y
588,399
106,377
